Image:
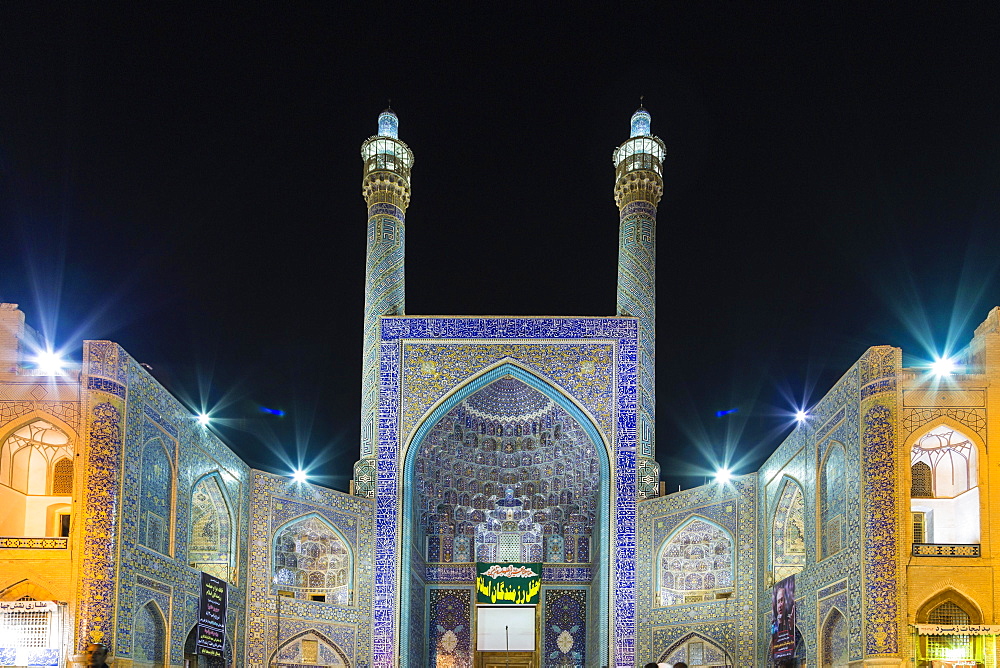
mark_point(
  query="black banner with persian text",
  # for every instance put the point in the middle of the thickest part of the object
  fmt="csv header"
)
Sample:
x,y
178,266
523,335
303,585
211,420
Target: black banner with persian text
x,y
212,616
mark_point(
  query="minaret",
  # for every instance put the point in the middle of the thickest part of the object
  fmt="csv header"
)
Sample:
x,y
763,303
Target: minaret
x,y
638,187
386,188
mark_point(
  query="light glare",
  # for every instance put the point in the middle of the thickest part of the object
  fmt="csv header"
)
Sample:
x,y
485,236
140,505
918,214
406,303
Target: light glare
x,y
943,366
50,363
723,475
299,476
204,419
800,416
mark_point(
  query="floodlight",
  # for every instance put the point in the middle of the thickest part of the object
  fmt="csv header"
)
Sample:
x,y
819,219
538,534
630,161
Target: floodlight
x,y
723,475
943,366
49,363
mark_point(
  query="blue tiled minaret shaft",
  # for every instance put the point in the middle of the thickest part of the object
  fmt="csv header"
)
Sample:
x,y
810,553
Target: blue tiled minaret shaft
x,y
386,188
638,188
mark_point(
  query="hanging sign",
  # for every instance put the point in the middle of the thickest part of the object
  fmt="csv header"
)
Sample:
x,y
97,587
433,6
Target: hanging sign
x,y
212,616
957,629
510,584
28,606
783,620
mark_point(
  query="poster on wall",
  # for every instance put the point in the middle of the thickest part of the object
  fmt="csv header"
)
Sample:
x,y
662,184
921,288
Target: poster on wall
x,y
508,583
212,616
783,621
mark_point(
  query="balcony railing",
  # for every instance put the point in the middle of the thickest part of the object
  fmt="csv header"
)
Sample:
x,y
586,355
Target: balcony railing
x,y
27,543
946,550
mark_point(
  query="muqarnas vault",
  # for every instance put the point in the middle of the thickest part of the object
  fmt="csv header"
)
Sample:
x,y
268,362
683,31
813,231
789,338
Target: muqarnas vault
x,y
518,446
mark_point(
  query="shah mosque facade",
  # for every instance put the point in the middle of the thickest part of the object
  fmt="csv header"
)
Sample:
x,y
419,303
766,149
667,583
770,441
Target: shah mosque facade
x,y
525,444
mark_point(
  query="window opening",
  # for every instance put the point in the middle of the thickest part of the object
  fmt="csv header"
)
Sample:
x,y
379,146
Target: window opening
x,y
949,647
62,477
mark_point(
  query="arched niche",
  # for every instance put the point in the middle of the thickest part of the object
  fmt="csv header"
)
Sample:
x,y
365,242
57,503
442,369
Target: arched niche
x,y
950,607
834,644
156,500
788,537
149,637
695,562
311,559
492,445
697,650
945,499
831,509
210,542
309,647
36,461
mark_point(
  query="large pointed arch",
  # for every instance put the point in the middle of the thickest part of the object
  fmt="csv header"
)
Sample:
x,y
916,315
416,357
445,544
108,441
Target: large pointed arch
x,y
603,446
514,369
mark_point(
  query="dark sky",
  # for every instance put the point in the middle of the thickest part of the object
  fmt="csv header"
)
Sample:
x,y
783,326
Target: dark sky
x,y
184,179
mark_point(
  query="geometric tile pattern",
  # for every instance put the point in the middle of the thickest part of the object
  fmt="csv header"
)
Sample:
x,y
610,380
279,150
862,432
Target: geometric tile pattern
x,y
914,418
564,628
558,350
637,297
882,612
450,627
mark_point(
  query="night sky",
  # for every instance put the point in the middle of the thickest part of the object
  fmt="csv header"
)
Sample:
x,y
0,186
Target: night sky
x,y
185,180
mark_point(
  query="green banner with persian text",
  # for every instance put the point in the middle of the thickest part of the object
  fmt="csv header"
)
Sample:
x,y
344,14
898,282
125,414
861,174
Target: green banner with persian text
x,y
509,584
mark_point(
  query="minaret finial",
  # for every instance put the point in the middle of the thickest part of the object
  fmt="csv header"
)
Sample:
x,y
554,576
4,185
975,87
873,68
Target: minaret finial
x,y
388,124
641,121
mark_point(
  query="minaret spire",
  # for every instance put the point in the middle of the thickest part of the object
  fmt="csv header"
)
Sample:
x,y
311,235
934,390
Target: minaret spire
x,y
386,188
638,188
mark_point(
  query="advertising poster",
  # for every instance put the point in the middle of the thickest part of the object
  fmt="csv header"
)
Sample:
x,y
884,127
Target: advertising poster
x,y
507,583
783,620
212,616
